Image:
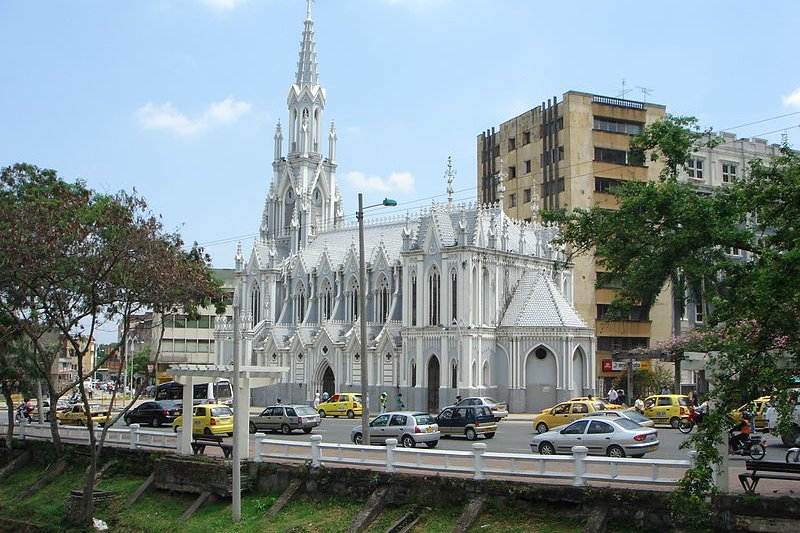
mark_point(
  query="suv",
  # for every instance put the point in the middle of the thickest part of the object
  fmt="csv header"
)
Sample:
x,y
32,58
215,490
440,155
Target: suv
x,y
565,412
285,418
154,413
409,428
342,404
667,409
467,420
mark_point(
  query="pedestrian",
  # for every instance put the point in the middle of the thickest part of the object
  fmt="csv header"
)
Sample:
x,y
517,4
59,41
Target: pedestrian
x,y
400,405
621,396
458,398
316,400
771,414
612,395
693,398
279,402
664,390
384,397
639,404
325,396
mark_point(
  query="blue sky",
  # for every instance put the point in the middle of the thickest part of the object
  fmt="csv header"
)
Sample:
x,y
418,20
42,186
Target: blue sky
x,y
179,98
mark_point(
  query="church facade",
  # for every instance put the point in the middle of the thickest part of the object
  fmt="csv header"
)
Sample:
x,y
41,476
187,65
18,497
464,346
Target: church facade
x,y
461,299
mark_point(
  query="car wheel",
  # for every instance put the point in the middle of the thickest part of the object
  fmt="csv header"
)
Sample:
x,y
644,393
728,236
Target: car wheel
x,y
407,441
615,451
155,422
206,431
757,451
546,448
322,413
252,428
358,439
541,427
470,434
793,455
489,435
285,429
351,414
675,422
306,430
432,444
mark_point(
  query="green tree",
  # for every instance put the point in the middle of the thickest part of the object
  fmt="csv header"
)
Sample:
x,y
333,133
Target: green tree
x,y
72,260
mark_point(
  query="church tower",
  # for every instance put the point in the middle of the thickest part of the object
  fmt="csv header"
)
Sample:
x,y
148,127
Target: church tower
x,y
303,198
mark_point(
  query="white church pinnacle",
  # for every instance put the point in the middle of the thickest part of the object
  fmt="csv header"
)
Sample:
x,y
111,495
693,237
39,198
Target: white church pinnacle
x,y
450,174
307,64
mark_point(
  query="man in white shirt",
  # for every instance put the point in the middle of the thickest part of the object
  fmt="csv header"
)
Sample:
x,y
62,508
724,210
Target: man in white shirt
x,y
612,395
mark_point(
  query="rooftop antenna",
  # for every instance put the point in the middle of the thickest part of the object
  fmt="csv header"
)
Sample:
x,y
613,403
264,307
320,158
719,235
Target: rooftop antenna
x,y
624,91
645,93
450,174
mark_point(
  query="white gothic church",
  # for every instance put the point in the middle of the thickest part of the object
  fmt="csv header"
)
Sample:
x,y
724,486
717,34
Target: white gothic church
x,y
461,299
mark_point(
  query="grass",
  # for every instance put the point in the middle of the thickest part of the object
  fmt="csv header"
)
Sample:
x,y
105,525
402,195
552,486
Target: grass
x,y
160,511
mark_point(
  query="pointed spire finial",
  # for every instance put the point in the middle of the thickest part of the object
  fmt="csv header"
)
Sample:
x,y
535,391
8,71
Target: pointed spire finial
x,y
308,10
450,174
501,185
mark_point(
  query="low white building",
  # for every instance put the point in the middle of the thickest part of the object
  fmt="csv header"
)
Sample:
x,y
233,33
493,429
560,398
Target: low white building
x,y
461,299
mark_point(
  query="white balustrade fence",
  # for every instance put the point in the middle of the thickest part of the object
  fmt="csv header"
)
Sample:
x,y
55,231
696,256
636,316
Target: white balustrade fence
x,y
132,436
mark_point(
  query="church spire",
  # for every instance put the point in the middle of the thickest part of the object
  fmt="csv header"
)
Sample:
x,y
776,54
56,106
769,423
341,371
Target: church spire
x,y
307,64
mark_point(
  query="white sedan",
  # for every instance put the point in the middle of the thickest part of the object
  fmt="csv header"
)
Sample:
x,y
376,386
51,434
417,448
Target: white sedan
x,y
602,436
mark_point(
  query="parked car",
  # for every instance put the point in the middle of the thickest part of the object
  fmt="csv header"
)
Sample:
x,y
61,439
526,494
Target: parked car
x,y
499,409
343,404
76,415
155,414
630,414
285,418
617,437
209,419
468,420
609,406
565,412
667,409
408,427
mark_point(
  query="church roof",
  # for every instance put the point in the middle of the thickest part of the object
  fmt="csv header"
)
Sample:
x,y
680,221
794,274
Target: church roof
x,y
538,303
338,241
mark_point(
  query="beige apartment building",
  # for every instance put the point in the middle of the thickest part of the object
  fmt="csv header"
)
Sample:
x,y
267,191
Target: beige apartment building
x,y
568,154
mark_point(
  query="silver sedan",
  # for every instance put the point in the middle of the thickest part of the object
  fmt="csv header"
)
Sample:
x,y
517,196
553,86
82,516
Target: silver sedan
x,y
409,428
499,409
626,413
602,436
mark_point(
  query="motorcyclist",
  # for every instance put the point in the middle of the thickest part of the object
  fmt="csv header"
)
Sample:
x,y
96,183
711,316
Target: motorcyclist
x,y
743,427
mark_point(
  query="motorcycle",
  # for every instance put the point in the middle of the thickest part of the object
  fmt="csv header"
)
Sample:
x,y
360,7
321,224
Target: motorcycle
x,y
752,446
687,424
23,413
793,453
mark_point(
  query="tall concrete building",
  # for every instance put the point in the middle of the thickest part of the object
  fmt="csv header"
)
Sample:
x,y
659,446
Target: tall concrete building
x,y
569,154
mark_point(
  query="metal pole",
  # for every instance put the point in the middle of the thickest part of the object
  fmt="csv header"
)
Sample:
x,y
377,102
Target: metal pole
x,y
629,396
362,312
237,405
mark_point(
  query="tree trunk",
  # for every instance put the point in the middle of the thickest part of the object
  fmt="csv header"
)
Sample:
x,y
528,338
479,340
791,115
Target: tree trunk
x,y
10,407
677,308
87,505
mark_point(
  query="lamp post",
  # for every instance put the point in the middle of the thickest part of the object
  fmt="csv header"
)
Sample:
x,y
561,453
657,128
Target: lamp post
x,y
362,310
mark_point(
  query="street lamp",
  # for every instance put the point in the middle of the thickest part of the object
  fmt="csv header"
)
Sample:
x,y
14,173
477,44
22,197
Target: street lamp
x,y
362,309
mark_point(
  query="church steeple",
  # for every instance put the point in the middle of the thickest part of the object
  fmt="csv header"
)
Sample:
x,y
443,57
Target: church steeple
x,y
307,64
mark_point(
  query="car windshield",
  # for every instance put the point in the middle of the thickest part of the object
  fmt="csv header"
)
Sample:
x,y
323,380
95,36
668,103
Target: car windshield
x,y
683,401
424,419
627,424
357,398
305,410
636,417
221,411
490,400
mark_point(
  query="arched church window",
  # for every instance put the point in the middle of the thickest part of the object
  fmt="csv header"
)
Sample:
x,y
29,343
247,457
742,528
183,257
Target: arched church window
x,y
433,302
352,300
413,299
382,300
327,300
300,302
255,304
413,373
454,375
454,294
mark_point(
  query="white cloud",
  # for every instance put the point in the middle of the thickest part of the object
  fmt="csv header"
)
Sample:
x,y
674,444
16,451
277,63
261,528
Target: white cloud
x,y
223,4
165,117
397,182
792,99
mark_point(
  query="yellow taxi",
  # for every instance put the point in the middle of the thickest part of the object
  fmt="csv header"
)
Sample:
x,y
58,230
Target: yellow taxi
x,y
759,407
209,419
343,404
566,412
609,406
75,414
667,409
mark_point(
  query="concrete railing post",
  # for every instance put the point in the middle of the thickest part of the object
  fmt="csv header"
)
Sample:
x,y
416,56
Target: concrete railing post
x,y
692,459
316,452
134,434
22,429
391,444
478,449
579,453
259,449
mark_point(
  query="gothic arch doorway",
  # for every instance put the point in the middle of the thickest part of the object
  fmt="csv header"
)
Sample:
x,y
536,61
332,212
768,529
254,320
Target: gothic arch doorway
x,y
540,380
328,381
434,377
578,373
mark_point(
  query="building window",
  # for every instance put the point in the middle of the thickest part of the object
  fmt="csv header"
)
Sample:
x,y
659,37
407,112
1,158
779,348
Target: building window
x,y
512,200
526,165
526,194
736,252
352,300
454,374
606,185
413,300
695,169
526,138
613,344
512,172
434,288
382,300
512,144
413,374
636,314
327,300
551,188
299,303
728,172
255,304
698,310
617,126
551,156
610,155
454,295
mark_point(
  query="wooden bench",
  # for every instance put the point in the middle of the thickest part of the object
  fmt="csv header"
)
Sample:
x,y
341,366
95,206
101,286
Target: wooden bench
x,y
758,470
201,441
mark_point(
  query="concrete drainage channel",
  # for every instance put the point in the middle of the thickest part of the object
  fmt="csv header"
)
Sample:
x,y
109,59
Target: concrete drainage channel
x,y
407,522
